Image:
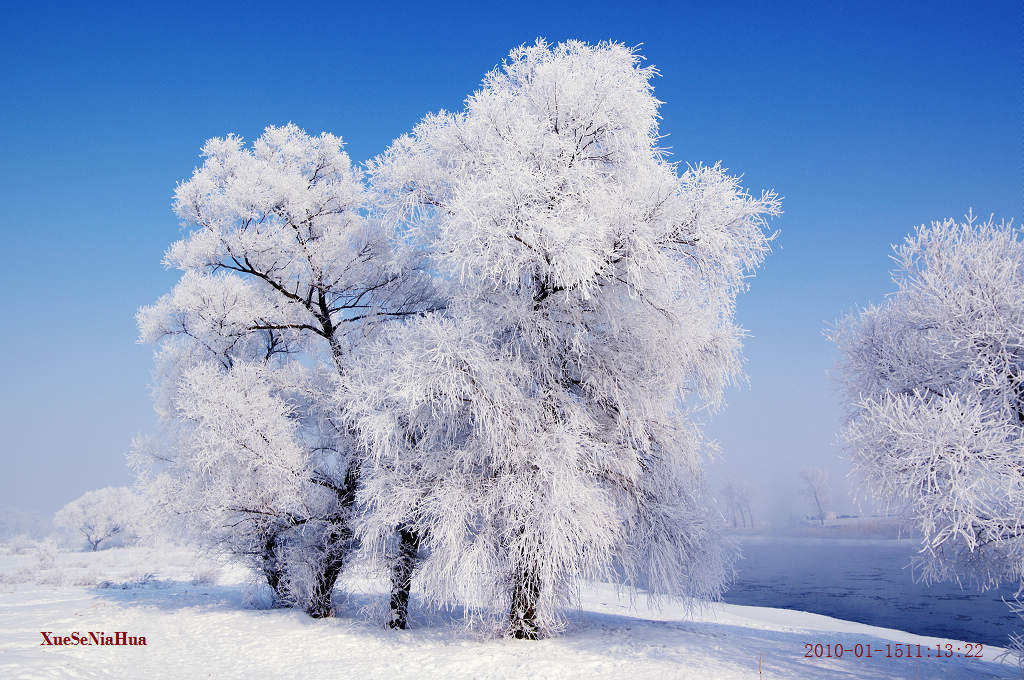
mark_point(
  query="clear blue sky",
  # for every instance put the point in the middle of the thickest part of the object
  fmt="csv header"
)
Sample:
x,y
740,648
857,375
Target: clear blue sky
x,y
867,118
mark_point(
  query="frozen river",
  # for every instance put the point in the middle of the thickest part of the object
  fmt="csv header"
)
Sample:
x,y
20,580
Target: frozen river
x,y
866,581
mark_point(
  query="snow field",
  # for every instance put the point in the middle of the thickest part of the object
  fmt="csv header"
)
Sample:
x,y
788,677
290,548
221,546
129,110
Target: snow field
x,y
197,629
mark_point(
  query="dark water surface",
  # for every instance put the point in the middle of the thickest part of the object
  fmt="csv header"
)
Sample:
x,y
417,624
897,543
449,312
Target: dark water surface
x,y
866,581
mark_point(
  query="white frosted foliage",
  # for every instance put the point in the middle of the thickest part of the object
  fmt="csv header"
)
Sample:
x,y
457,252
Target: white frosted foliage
x,y
541,429
934,378
282,275
101,516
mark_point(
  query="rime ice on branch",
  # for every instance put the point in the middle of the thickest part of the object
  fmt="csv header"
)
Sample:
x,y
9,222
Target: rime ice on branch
x,y
540,430
934,379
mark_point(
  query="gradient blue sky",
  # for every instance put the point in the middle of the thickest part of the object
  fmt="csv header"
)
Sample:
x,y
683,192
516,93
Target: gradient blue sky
x,y
867,118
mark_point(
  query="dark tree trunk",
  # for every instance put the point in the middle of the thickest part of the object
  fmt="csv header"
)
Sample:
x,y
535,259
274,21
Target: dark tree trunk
x,y
272,570
401,576
523,613
273,579
336,550
320,601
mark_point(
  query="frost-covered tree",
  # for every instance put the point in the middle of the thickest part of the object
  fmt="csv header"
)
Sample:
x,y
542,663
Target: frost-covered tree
x,y
282,276
100,516
541,430
815,488
1015,650
736,499
934,379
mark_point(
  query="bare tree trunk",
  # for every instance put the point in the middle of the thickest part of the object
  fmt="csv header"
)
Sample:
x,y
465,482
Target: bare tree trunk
x,y
821,512
336,550
320,600
401,576
523,613
272,570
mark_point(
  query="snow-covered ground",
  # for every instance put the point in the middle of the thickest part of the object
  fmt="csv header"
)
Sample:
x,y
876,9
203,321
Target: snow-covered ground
x,y
197,623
